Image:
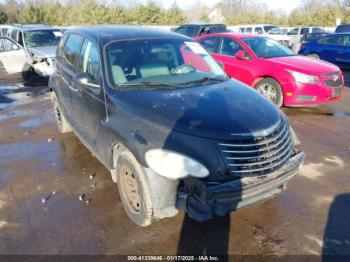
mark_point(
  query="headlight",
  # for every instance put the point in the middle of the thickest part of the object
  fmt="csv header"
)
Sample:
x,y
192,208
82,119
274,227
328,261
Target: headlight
x,y
303,78
173,165
294,137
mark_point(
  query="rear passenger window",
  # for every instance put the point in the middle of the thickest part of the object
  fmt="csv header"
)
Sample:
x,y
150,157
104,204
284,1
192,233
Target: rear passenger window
x,y
249,30
72,50
210,44
304,31
332,40
258,30
89,61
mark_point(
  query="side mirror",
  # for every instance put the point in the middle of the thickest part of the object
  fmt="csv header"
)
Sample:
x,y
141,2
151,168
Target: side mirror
x,y
85,80
242,55
15,47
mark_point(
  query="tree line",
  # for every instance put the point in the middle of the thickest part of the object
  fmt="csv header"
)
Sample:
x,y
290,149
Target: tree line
x,y
85,12
88,12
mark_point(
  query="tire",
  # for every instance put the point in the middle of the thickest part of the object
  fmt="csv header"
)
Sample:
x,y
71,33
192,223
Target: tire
x,y
134,190
270,89
314,56
30,75
61,121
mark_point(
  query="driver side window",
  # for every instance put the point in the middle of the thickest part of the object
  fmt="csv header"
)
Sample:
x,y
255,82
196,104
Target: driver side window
x,y
229,47
89,61
7,45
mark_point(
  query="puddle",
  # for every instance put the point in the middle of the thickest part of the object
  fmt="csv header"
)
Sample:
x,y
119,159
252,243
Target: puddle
x,y
19,94
341,114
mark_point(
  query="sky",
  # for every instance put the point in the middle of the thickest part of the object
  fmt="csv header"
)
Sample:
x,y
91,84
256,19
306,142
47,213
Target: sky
x,y
286,6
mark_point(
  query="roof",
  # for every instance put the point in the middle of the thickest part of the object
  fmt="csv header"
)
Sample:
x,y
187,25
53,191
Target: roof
x,y
29,27
108,33
238,35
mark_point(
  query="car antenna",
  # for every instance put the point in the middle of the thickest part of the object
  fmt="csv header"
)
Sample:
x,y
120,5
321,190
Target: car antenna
x,y
103,89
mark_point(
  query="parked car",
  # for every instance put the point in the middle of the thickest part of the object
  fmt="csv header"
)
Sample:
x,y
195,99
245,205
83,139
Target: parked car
x,y
344,28
334,48
273,31
40,43
274,70
158,111
12,57
297,33
193,30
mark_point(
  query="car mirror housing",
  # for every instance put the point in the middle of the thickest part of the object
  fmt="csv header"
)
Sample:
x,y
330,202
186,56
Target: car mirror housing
x,y
85,80
242,55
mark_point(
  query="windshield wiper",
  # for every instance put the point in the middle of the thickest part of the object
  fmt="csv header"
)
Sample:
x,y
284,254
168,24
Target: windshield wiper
x,y
205,79
148,84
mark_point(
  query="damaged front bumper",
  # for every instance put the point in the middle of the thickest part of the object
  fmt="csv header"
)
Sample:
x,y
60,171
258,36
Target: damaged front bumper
x,y
202,201
43,69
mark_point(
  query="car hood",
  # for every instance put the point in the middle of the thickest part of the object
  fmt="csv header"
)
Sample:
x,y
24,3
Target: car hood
x,y
45,51
305,65
218,111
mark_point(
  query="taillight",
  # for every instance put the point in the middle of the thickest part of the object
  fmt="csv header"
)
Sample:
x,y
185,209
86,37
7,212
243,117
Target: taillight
x,y
302,46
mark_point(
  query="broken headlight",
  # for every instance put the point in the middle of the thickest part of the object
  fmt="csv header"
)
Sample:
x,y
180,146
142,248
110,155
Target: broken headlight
x,y
174,165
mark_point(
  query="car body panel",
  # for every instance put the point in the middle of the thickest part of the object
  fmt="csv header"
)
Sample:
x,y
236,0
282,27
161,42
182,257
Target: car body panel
x,y
337,53
250,71
12,61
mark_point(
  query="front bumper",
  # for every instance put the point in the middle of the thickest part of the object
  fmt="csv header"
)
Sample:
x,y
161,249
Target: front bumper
x,y
203,202
43,69
297,94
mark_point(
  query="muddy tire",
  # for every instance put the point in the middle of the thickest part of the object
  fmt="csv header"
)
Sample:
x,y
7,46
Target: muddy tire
x,y
270,89
61,121
314,56
133,190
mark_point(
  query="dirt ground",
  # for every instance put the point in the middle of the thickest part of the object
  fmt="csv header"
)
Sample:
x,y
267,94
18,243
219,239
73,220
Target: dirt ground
x,y
311,218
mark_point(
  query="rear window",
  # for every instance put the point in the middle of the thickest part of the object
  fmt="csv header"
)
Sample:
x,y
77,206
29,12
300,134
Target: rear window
x,y
332,40
342,29
186,30
72,50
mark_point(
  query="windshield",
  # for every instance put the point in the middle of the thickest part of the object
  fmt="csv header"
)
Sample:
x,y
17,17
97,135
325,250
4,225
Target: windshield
x,y
40,38
267,48
268,28
160,63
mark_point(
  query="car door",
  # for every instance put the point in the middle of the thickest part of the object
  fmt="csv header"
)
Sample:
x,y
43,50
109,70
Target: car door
x,y
12,57
330,47
67,70
239,69
92,105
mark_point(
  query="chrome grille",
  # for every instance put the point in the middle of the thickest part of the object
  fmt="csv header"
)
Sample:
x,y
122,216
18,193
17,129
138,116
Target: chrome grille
x,y
254,156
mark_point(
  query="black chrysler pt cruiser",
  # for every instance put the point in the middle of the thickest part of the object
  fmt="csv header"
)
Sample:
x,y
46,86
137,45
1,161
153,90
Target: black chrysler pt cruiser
x,y
173,129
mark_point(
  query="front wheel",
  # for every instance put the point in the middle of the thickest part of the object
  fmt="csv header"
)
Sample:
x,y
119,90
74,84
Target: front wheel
x,y
133,190
270,89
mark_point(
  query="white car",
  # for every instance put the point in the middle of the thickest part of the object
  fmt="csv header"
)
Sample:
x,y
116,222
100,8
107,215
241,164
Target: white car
x,y
12,57
4,29
273,31
40,44
296,34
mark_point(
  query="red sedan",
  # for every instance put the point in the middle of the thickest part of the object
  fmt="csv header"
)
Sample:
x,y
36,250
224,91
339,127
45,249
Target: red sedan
x,y
274,70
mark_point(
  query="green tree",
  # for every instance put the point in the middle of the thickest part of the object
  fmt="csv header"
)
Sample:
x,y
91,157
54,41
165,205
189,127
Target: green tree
x,y
3,17
174,15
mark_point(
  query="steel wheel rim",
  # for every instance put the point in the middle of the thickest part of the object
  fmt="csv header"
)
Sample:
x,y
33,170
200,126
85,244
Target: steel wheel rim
x,y
131,189
268,91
